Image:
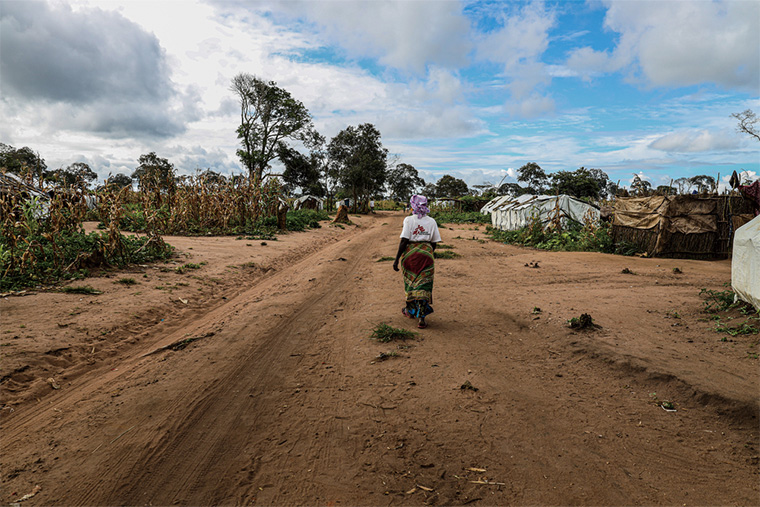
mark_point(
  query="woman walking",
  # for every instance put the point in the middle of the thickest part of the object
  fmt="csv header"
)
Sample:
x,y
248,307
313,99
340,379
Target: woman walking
x,y
415,250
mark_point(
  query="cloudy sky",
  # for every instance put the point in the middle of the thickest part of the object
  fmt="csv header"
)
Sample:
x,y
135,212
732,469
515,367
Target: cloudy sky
x,y
474,89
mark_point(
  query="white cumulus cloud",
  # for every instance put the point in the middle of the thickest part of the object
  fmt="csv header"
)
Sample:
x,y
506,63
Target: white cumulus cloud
x,y
694,141
680,43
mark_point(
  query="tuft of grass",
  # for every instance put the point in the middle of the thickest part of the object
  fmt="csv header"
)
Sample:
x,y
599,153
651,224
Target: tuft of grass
x,y
187,267
81,289
583,322
386,258
717,300
446,254
743,329
126,281
385,333
445,246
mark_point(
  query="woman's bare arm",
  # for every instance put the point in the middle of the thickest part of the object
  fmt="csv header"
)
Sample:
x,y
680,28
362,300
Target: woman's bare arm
x,y
401,247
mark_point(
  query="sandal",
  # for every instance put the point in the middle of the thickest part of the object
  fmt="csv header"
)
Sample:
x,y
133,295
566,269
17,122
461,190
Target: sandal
x,y
406,314
422,325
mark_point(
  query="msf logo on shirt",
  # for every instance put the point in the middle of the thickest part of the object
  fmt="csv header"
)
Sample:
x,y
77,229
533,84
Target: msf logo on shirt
x,y
420,231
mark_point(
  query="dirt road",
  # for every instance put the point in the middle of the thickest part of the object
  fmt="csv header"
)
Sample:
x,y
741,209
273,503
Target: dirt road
x,y
248,377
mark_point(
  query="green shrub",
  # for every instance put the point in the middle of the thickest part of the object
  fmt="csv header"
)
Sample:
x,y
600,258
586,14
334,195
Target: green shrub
x,y
460,217
574,238
302,219
717,300
385,333
63,256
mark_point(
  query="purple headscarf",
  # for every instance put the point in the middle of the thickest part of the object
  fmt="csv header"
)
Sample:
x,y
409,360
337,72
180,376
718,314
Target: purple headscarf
x,y
419,205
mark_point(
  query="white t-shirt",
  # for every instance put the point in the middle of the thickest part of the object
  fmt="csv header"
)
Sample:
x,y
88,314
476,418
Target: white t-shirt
x,y
420,229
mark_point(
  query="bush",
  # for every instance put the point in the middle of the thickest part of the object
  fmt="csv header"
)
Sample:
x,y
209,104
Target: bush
x,y
575,238
302,219
460,217
68,255
45,242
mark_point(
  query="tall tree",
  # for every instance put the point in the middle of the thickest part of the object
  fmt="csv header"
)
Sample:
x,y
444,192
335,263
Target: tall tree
x,y
212,177
403,180
269,116
22,161
358,161
665,190
683,184
535,177
485,189
75,175
747,123
301,171
512,189
703,182
578,183
119,180
607,188
154,172
449,186
429,190
639,187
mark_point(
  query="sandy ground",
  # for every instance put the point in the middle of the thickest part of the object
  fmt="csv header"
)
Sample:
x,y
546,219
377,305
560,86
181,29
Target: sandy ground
x,y
252,380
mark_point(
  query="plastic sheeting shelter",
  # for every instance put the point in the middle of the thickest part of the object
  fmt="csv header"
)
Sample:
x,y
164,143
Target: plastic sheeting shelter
x,y
308,202
511,214
10,184
745,263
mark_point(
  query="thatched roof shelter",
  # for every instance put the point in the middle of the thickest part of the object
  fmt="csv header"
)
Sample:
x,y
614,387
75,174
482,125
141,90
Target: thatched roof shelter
x,y
681,226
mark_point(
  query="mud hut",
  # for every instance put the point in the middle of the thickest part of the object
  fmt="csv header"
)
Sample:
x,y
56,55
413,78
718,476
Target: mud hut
x,y
680,226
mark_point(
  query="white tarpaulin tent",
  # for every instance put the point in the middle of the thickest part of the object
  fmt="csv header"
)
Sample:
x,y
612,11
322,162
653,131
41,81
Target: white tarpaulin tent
x,y
745,262
308,201
511,214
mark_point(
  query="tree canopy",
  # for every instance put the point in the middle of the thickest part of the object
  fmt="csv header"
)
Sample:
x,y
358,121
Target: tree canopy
x,y
579,183
535,177
640,187
512,189
449,186
703,182
403,180
75,175
301,171
212,177
154,172
269,116
119,180
429,190
22,161
358,161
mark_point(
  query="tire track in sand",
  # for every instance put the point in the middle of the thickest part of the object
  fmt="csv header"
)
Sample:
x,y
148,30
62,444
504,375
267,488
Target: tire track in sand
x,y
190,447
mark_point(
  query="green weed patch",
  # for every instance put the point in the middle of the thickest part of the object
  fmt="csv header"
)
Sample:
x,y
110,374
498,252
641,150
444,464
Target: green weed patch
x,y
385,333
446,254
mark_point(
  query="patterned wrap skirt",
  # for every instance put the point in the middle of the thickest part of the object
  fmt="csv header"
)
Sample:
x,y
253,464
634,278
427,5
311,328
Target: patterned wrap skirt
x,y
418,266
